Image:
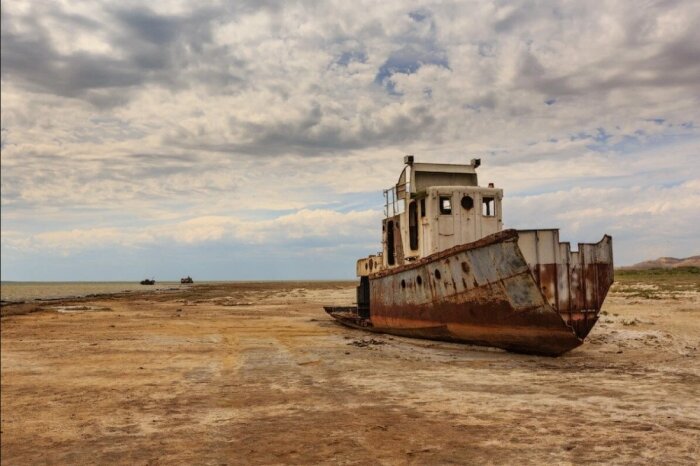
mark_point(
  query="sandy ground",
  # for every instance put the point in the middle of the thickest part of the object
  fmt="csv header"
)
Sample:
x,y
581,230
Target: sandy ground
x,y
258,374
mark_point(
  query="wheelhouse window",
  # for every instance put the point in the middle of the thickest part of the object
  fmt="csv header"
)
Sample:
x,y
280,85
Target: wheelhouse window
x,y
488,206
446,205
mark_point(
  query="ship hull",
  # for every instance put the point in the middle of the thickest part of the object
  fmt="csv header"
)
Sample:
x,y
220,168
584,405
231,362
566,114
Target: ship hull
x,y
486,293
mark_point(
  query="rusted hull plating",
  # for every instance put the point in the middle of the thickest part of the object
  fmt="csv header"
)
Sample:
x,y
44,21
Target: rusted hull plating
x,y
486,293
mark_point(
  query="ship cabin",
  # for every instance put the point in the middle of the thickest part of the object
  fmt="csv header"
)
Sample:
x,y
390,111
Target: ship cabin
x,y
433,207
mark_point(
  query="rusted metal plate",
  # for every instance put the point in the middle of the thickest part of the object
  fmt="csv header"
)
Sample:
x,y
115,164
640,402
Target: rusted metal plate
x,y
482,293
573,283
368,265
487,293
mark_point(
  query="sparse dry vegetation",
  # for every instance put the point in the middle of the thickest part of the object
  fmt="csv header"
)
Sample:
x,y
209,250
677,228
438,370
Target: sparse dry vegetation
x,y
657,283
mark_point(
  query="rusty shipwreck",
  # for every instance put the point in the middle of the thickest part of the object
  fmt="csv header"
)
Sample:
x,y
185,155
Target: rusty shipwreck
x,y
449,271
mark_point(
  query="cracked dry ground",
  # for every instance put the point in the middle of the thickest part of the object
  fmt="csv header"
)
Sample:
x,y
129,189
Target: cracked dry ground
x,y
258,374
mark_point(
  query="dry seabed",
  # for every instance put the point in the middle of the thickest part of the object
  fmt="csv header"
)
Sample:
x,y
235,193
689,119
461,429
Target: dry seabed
x,y
258,374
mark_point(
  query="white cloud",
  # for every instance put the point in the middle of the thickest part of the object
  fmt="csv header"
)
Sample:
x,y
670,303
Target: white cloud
x,y
643,220
216,117
354,227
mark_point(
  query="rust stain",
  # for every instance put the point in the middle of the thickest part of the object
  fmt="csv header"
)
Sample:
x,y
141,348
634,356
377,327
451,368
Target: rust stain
x,y
490,295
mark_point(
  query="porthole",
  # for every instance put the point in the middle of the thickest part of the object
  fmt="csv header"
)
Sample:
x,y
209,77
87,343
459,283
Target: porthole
x,y
465,267
419,280
467,202
403,283
437,274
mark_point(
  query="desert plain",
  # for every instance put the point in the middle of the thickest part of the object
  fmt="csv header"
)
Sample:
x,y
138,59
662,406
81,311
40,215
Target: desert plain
x,y
257,373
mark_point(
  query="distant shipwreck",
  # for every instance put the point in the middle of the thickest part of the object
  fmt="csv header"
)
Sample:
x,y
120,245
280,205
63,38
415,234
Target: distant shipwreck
x,y
448,271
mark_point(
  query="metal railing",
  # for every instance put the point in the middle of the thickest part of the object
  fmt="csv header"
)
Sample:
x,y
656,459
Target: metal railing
x,y
393,203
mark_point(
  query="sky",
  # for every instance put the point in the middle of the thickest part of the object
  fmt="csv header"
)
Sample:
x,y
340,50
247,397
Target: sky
x,y
251,140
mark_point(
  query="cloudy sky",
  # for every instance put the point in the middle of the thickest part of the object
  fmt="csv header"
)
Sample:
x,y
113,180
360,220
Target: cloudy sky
x,y
251,140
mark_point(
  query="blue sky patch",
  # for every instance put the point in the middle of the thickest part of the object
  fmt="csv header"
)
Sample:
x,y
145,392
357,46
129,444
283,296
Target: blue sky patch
x,y
408,60
351,56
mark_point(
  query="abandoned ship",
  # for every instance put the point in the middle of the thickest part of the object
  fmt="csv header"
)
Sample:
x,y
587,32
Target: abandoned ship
x,y
449,271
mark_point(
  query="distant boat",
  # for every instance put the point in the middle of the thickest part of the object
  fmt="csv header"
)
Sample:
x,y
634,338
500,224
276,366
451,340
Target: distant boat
x,y
187,280
148,282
